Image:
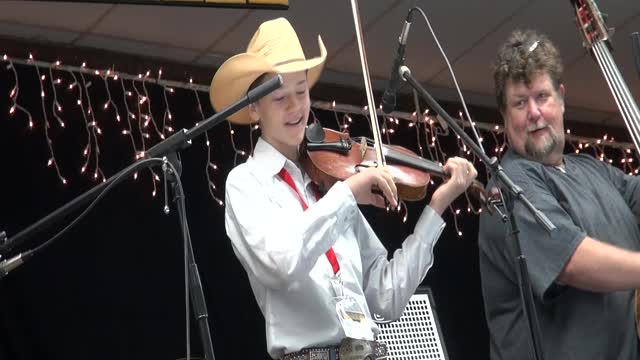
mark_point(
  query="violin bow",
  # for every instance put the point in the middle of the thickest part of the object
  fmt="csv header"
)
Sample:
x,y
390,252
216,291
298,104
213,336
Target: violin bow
x,y
377,138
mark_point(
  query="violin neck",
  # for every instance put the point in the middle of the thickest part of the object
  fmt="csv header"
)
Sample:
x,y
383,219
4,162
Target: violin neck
x,y
399,158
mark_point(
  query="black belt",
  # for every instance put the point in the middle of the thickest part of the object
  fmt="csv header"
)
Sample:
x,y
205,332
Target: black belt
x,y
349,349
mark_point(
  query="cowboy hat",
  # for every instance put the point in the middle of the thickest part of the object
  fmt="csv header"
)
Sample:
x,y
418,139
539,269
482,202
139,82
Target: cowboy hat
x,y
274,48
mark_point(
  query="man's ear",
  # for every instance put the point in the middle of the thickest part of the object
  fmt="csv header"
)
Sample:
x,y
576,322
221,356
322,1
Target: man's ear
x,y
505,121
253,112
503,114
561,90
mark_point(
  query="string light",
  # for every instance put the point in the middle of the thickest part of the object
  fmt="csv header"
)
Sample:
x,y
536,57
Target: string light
x,y
140,116
147,99
210,167
167,118
109,103
92,128
430,133
455,220
52,157
129,116
55,104
343,124
141,128
142,99
15,91
237,151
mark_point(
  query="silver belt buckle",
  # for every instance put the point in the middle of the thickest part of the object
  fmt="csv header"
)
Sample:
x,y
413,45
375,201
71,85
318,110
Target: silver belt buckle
x,y
354,349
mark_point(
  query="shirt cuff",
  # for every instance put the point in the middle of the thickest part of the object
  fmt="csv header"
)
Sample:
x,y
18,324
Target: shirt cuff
x,y
429,226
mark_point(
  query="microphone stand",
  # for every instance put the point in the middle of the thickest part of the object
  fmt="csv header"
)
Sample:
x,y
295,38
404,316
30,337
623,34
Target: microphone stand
x,y
168,149
514,192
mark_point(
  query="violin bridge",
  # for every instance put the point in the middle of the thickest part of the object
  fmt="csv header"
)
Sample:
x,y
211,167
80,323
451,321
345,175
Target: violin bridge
x,y
363,147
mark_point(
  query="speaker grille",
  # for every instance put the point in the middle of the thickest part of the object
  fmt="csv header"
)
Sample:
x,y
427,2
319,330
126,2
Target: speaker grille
x,y
416,335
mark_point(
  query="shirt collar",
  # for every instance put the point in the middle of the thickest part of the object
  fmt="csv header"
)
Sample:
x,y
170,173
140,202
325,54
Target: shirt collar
x,y
510,153
266,159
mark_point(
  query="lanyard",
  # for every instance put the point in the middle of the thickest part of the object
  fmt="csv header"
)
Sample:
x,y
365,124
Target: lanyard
x,y
331,255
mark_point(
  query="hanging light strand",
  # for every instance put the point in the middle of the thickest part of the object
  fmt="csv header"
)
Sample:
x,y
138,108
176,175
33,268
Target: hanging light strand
x,y
15,92
51,162
210,167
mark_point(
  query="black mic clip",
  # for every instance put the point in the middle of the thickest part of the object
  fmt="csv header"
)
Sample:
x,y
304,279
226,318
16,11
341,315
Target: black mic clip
x,y
7,265
396,81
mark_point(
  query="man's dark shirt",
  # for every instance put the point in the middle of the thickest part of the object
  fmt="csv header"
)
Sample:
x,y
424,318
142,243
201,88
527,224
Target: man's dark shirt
x,y
588,198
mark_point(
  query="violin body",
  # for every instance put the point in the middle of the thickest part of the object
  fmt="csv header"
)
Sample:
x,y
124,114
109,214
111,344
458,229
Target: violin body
x,y
329,165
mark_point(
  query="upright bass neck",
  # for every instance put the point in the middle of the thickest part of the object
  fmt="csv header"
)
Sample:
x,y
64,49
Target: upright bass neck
x,y
596,38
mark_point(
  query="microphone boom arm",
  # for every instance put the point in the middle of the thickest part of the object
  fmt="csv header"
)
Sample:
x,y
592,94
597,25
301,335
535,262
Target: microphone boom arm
x,y
492,163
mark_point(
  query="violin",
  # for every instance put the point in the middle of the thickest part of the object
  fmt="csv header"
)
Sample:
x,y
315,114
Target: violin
x,y
328,156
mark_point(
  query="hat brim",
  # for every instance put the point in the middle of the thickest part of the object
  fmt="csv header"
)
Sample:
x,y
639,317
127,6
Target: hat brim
x,y
232,80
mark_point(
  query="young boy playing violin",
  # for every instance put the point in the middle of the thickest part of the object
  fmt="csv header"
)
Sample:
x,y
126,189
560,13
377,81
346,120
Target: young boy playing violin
x,y
317,269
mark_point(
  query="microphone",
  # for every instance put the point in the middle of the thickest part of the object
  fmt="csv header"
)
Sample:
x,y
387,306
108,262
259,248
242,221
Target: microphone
x,y
10,264
396,80
635,45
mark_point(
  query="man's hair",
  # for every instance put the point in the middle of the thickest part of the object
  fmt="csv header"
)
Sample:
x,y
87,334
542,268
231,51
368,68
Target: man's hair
x,y
522,57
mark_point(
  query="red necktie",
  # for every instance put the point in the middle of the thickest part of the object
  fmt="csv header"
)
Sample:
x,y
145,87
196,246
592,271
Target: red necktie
x,y
331,255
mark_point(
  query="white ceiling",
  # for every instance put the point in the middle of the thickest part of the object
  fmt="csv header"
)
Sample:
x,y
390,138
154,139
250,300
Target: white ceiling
x,y
470,32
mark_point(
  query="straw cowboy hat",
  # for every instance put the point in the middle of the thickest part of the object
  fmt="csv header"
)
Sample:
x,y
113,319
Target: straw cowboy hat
x,y
274,48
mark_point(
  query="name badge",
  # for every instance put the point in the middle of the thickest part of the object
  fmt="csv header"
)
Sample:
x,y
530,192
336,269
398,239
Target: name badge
x,y
355,323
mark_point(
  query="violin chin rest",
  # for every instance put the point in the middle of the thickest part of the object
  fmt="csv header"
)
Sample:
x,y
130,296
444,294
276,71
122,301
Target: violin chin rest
x,y
314,133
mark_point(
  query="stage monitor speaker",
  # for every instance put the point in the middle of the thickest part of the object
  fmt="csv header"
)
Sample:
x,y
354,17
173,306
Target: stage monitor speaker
x,y
416,335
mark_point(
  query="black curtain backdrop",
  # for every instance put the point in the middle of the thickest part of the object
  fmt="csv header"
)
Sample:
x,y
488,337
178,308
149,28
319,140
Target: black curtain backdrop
x,y
113,287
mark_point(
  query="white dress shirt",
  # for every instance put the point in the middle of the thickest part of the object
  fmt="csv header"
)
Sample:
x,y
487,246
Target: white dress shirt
x,y
282,248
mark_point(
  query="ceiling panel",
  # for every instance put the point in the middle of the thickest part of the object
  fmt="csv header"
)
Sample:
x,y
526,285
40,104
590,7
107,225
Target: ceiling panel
x,y
60,15
36,33
477,74
586,73
623,54
470,32
371,15
333,20
235,39
210,59
446,17
136,47
186,27
459,26
558,24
